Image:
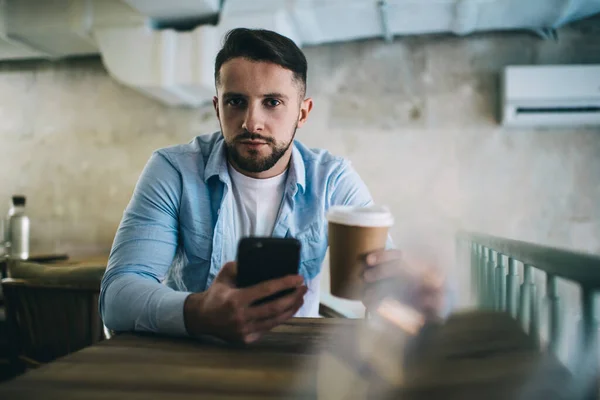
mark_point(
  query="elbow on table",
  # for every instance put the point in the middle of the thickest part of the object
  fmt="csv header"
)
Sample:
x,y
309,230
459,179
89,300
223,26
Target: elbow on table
x,y
109,316
111,311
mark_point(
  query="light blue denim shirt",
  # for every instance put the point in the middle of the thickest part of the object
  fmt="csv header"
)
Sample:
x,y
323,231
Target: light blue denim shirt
x,y
177,232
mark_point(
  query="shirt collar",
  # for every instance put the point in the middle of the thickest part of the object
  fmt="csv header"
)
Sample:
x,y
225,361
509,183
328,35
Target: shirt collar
x,y
297,174
217,165
217,161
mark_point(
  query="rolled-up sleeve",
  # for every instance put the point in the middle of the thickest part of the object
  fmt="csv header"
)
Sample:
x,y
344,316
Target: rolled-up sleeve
x,y
132,296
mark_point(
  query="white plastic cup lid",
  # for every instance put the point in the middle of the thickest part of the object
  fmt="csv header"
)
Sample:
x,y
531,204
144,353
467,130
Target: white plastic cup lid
x,y
370,216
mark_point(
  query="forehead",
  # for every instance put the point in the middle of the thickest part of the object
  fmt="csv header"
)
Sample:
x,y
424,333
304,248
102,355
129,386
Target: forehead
x,y
241,75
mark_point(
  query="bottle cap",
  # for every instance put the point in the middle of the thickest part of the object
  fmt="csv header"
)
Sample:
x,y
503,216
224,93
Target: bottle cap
x,y
18,200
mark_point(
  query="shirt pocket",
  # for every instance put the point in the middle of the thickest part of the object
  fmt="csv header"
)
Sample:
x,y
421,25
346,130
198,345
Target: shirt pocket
x,y
312,252
197,246
191,267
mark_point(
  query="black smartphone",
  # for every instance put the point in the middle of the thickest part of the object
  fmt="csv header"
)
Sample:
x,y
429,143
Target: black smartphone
x,y
261,259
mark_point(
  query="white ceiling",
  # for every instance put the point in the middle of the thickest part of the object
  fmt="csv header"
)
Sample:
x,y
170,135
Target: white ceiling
x,y
176,67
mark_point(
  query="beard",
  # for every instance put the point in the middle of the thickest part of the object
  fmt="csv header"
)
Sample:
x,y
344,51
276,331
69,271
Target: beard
x,y
256,162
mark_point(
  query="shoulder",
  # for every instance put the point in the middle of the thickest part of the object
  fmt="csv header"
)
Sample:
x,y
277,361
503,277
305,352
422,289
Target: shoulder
x,y
191,157
200,147
321,162
334,176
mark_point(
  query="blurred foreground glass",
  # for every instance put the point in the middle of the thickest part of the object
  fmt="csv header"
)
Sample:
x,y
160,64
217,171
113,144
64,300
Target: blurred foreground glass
x,y
375,358
372,359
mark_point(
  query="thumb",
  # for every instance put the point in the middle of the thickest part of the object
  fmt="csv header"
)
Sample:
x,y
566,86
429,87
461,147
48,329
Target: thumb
x,y
228,274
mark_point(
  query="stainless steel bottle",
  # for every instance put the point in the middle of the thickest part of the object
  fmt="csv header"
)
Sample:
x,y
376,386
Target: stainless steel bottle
x,y
18,230
3,238
10,213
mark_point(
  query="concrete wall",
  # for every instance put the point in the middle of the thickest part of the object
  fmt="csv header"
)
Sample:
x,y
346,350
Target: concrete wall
x,y
417,118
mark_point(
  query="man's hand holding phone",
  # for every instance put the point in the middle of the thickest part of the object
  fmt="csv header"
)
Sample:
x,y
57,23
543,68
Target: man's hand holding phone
x,y
226,311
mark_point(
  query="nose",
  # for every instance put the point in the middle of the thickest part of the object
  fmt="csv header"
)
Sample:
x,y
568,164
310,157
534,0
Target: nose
x,y
254,119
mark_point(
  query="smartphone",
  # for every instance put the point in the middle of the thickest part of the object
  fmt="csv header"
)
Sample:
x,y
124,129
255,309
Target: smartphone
x,y
261,259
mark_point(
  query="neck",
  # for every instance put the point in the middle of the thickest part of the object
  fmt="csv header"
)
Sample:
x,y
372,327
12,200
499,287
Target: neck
x,y
277,169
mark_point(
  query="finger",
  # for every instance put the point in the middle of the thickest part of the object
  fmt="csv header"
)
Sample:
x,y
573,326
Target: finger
x,y
431,297
390,269
251,294
228,273
276,307
433,280
382,256
270,323
406,271
376,291
251,337
370,298
430,304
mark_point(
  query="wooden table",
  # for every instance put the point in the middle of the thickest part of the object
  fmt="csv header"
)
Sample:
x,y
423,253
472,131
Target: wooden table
x,y
473,356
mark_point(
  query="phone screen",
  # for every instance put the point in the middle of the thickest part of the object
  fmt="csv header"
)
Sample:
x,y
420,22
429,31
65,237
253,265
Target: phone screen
x,y
263,258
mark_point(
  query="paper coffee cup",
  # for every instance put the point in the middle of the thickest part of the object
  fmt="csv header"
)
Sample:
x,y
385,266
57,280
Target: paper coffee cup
x,y
353,233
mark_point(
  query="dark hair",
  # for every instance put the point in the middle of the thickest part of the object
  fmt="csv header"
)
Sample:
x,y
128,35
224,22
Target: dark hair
x,y
262,45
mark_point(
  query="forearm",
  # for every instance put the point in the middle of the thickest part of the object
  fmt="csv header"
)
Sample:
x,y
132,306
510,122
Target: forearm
x,y
192,315
132,296
132,302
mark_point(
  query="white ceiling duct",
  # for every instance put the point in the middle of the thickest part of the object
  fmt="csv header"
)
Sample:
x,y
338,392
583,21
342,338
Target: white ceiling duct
x,y
176,66
175,10
58,28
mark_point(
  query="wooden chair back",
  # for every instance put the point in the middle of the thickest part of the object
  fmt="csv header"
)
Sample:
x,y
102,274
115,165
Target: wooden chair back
x,y
52,313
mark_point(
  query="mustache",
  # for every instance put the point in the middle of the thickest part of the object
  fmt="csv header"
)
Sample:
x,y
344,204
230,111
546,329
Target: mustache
x,y
245,135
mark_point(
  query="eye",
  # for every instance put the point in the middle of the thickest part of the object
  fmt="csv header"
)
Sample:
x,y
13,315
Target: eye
x,y
235,102
272,103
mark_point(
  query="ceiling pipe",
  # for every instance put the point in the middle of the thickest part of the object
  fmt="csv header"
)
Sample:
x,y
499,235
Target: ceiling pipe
x,y
466,13
385,20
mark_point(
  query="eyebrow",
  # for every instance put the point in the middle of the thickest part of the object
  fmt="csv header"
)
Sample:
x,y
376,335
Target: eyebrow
x,y
233,94
276,94
267,95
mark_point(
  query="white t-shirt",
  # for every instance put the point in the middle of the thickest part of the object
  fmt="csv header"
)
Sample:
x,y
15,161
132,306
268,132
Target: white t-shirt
x,y
256,204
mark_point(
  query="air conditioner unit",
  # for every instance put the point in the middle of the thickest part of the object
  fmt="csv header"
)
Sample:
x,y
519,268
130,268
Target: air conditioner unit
x,y
551,96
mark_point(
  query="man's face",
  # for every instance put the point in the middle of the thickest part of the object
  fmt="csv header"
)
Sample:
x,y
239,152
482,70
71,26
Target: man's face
x,y
259,106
